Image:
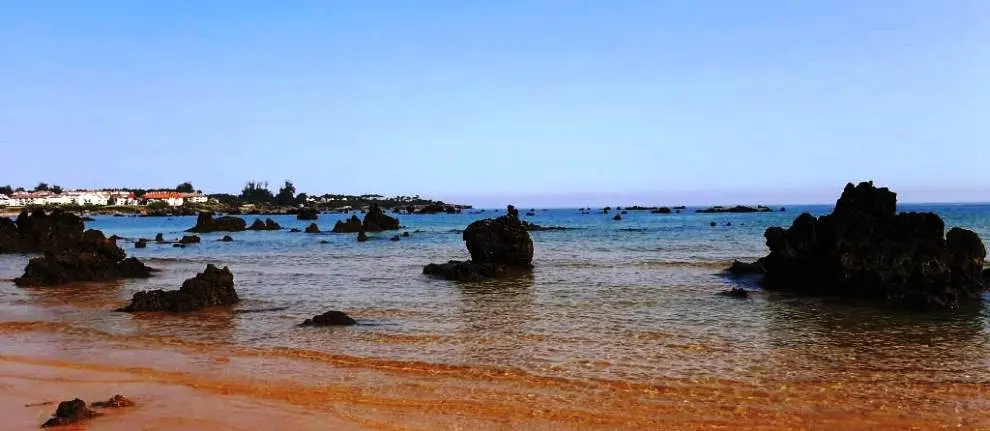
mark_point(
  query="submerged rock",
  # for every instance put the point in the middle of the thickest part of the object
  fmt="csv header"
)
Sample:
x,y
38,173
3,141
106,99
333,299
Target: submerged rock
x,y
205,223
159,238
69,412
141,243
865,249
312,228
190,239
744,268
736,292
465,270
297,230
661,210
405,234
617,217
396,238
330,318
306,213
362,236
115,402
212,287
226,238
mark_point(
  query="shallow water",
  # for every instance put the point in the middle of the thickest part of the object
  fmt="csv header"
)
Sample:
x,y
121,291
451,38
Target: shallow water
x,y
629,302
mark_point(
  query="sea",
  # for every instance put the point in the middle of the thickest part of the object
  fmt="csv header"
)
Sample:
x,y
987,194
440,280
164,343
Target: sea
x,y
619,326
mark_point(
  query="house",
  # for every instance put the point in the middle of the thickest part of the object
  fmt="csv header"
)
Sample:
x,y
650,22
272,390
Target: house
x,y
6,201
195,198
62,199
82,198
174,199
123,198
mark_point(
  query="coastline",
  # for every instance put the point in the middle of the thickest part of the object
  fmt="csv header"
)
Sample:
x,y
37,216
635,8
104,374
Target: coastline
x,y
228,387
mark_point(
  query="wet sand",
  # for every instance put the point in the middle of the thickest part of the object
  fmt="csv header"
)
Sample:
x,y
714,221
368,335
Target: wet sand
x,y
181,385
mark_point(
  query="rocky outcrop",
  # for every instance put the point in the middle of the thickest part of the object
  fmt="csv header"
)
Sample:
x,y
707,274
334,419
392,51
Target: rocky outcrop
x,y
396,238
376,220
190,239
435,209
362,236
617,217
268,224
141,243
307,213
69,412
115,402
865,249
212,287
735,209
205,223
312,228
92,258
661,210
330,318
40,231
497,247
226,238
159,238
351,225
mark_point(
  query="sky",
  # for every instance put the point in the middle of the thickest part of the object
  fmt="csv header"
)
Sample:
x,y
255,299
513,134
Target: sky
x,y
541,103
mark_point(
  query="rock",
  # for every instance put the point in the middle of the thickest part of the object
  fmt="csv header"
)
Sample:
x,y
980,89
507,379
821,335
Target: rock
x,y
257,225
87,218
530,214
159,238
271,225
39,231
141,243
661,210
435,209
396,238
115,402
465,271
362,236
330,318
503,240
728,223
405,234
376,220
93,258
70,412
114,238
296,230
312,228
212,287
617,217
735,209
531,227
268,224
324,242
606,210
205,223
712,224
351,225
865,249
306,213
736,292
226,238
742,268
179,245
782,209
190,239
625,212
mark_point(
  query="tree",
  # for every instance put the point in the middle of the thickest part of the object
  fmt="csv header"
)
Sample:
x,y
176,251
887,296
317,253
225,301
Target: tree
x,y
19,189
57,189
41,187
6,190
286,195
185,187
301,199
226,199
157,205
256,192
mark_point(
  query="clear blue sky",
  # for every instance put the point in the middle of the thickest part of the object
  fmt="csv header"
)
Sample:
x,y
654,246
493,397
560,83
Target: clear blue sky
x,y
542,103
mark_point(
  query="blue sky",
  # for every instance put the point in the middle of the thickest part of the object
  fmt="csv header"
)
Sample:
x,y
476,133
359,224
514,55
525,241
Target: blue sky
x,y
541,103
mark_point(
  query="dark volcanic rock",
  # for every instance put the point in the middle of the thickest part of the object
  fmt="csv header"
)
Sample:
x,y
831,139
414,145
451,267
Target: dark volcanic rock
x,y
351,225
159,238
330,318
296,230
209,288
312,228
465,271
376,220
531,227
405,234
40,231
307,213
735,209
502,240
92,258
205,223
115,402
661,210
736,292
617,217
70,412
712,224
396,238
743,268
864,249
435,209
179,245
190,239
226,238
362,236
141,243
268,224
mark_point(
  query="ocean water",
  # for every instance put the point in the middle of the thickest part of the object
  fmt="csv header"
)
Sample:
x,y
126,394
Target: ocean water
x,y
630,302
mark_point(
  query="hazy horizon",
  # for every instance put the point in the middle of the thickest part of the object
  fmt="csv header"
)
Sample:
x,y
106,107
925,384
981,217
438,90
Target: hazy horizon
x,y
540,103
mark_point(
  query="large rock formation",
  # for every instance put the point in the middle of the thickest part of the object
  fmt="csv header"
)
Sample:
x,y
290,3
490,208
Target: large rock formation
x,y
497,247
377,221
91,258
374,221
69,412
209,288
307,213
205,223
268,224
39,231
735,209
865,249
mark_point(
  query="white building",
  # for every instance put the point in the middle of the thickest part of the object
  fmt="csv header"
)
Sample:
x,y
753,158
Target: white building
x,y
174,199
92,198
6,201
195,198
122,198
